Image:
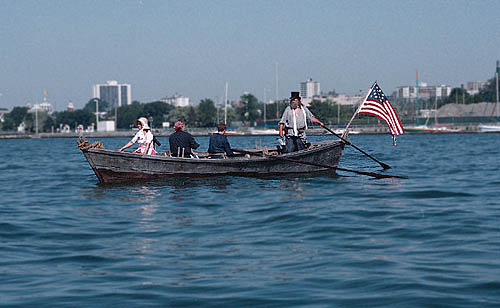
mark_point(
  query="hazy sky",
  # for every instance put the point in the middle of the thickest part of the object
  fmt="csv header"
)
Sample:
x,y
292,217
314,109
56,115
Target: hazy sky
x,y
194,47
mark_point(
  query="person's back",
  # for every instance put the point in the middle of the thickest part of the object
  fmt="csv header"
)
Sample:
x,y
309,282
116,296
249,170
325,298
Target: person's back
x,y
218,142
181,142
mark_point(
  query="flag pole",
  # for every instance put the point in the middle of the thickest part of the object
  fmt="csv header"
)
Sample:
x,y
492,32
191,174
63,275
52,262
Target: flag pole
x,y
346,131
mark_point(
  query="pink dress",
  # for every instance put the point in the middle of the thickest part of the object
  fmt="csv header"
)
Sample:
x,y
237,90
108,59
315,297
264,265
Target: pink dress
x,y
142,140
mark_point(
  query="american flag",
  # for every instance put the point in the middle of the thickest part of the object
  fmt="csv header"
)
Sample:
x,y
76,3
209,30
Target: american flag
x,y
377,104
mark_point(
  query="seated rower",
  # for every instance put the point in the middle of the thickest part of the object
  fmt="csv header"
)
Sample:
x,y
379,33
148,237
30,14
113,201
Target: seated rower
x,y
143,137
219,146
181,142
293,124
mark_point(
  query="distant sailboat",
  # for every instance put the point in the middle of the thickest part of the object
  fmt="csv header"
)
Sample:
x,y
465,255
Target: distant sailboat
x,y
435,128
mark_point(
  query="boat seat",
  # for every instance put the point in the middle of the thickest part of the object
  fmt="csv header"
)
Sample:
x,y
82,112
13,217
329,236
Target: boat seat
x,y
217,155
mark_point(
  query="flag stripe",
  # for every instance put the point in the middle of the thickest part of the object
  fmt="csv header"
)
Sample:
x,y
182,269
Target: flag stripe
x,y
379,112
377,104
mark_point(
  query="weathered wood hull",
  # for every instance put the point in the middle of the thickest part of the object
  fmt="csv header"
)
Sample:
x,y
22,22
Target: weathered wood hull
x,y
113,166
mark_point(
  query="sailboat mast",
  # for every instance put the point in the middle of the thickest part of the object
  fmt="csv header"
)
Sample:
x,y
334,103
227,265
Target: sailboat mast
x,y
496,75
36,119
435,110
265,101
277,105
416,100
225,106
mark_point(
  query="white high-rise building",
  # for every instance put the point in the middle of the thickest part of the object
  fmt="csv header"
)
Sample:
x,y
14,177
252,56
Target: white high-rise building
x,y
176,100
309,89
114,93
424,91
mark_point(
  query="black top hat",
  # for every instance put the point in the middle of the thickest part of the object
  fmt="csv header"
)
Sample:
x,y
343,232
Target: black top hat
x,y
294,95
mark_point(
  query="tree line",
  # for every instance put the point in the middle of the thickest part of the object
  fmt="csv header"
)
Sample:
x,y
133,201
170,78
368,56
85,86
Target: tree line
x,y
248,111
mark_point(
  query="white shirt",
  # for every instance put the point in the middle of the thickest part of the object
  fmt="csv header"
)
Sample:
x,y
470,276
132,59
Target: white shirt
x,y
142,140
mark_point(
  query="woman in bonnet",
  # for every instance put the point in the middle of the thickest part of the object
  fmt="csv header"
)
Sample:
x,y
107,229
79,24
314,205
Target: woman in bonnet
x,y
144,138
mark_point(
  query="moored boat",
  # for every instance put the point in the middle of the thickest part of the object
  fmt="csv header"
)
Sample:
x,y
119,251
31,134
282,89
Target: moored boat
x,y
489,128
431,129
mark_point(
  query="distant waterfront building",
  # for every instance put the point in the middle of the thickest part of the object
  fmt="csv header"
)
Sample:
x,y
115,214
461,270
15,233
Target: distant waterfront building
x,y
43,106
176,100
343,99
340,99
424,92
473,87
106,126
309,89
114,93
71,107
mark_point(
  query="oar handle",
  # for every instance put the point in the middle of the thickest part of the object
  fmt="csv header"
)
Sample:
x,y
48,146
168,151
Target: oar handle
x,y
385,166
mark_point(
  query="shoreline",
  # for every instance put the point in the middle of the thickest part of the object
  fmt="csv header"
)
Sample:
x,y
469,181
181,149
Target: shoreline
x,y
242,132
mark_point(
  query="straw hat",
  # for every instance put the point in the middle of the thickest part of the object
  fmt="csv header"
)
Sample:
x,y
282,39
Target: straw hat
x,y
143,121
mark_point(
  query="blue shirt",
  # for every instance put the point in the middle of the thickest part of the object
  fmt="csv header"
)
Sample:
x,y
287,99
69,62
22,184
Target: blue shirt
x,y
219,144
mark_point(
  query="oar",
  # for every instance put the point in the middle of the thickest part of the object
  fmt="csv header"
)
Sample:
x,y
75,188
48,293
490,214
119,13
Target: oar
x,y
385,166
372,174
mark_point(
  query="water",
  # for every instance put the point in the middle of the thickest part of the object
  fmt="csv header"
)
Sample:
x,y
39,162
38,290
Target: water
x,y
341,241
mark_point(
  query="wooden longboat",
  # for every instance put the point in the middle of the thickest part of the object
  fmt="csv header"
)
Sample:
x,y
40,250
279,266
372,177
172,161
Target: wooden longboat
x,y
114,166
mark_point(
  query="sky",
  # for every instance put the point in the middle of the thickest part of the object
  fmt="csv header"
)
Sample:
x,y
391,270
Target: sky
x,y
193,48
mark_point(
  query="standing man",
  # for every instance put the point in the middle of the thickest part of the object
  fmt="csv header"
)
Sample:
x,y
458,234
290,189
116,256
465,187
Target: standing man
x,y
219,146
181,142
293,124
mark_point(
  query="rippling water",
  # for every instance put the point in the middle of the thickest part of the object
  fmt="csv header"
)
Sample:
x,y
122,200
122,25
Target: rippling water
x,y
345,241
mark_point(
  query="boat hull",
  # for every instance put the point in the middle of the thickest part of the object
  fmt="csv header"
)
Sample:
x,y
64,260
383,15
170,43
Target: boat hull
x,y
489,128
113,166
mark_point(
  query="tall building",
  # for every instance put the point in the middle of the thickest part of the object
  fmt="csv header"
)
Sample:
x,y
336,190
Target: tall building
x,y
114,93
176,100
309,89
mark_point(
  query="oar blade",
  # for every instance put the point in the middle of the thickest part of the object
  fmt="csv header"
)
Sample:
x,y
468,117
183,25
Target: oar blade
x,y
385,166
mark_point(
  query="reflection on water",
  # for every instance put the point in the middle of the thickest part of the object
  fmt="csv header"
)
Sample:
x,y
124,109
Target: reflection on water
x,y
147,190
295,188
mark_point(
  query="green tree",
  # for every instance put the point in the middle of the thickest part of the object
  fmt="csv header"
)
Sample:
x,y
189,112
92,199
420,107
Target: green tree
x,y
48,124
249,110
458,96
487,93
91,104
29,122
326,111
157,111
8,124
178,114
207,113
192,117
128,113
74,118
17,115
279,106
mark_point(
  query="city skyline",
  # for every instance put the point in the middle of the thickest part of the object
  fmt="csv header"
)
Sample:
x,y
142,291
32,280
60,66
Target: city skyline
x,y
194,48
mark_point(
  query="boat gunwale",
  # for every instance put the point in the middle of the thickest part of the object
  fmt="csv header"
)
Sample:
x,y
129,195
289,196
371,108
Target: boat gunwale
x,y
319,146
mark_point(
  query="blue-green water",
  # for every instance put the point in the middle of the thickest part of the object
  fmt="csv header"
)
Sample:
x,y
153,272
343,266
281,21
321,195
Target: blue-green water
x,y
432,240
